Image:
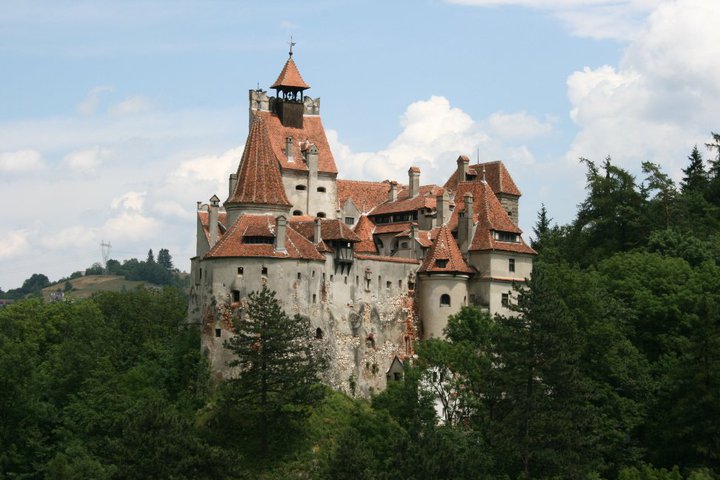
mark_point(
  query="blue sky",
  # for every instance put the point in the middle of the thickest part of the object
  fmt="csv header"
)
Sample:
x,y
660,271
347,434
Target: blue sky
x,y
117,116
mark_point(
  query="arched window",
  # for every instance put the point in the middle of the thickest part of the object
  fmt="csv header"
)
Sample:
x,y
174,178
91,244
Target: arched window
x,y
319,333
321,189
444,300
297,213
321,214
300,187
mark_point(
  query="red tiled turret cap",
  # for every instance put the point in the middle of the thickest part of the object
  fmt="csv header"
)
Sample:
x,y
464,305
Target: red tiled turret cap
x,y
445,249
290,77
258,176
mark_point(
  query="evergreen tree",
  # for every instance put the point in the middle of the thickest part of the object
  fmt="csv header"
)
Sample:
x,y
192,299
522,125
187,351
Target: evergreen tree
x,y
696,178
164,259
666,195
150,257
278,368
541,228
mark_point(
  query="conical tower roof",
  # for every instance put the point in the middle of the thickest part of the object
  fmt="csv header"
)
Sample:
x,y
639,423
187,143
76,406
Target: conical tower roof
x,y
290,77
444,255
258,176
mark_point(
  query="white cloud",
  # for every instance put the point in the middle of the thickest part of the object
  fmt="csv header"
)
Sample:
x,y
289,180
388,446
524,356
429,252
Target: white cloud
x,y
89,105
661,99
21,161
129,201
172,209
130,226
132,105
434,134
86,161
13,243
70,238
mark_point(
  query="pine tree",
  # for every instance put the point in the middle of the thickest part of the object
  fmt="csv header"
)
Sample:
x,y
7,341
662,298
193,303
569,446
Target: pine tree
x,y
150,257
696,178
541,228
164,259
278,367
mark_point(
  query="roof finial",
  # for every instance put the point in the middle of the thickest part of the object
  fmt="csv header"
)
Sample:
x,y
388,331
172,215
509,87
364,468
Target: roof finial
x,y
484,181
292,44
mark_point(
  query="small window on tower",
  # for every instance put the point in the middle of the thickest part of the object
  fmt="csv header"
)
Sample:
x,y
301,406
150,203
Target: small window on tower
x,y
505,299
218,332
319,333
388,285
300,187
444,300
321,189
441,263
240,270
263,271
511,264
236,296
297,213
321,215
299,275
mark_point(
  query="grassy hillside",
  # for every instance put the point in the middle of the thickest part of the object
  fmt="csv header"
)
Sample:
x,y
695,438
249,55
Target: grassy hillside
x,y
84,287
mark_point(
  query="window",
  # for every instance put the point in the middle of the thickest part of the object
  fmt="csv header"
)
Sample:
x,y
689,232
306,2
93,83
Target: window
x,y
313,274
240,270
263,271
332,277
403,244
441,263
300,187
357,279
321,215
345,279
235,296
349,220
511,264
388,284
218,332
259,240
299,276
321,189
201,273
505,299
444,300
314,298
399,283
505,236
509,212
319,333
397,376
297,213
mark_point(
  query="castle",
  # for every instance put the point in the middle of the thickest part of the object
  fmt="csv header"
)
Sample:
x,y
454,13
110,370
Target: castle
x,y
373,265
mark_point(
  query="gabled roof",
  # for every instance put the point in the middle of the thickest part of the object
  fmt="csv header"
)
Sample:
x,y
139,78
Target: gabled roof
x,y
364,230
330,229
365,195
290,77
491,217
312,132
496,175
258,176
484,203
424,199
232,244
444,249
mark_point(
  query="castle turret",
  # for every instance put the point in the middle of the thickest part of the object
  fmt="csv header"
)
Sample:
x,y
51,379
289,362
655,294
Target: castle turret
x,y
290,88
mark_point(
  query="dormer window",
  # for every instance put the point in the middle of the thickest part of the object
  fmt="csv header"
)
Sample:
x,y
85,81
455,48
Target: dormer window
x,y
441,263
506,236
258,240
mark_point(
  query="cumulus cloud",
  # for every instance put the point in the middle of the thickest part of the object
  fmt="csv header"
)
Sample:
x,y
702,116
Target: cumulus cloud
x,y
89,105
433,135
131,105
74,237
662,97
21,161
130,226
87,160
13,243
129,201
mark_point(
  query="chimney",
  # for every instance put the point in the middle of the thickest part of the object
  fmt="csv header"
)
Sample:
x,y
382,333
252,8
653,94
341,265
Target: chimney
x,y
463,163
213,219
289,149
392,196
233,184
414,182
318,231
468,220
280,233
442,207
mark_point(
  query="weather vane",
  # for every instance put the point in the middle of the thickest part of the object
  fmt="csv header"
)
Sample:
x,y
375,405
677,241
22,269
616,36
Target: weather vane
x,y
292,44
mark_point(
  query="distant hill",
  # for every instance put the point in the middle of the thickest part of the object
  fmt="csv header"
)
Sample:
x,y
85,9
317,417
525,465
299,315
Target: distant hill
x,y
84,287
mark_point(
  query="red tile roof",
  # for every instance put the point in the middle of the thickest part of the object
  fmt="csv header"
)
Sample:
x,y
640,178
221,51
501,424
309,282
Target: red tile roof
x,y
425,199
381,258
312,132
365,195
232,243
484,202
495,174
444,248
391,227
330,229
364,230
259,180
290,77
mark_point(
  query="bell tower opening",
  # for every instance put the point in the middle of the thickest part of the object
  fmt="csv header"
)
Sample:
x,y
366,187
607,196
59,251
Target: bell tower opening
x,y
290,92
